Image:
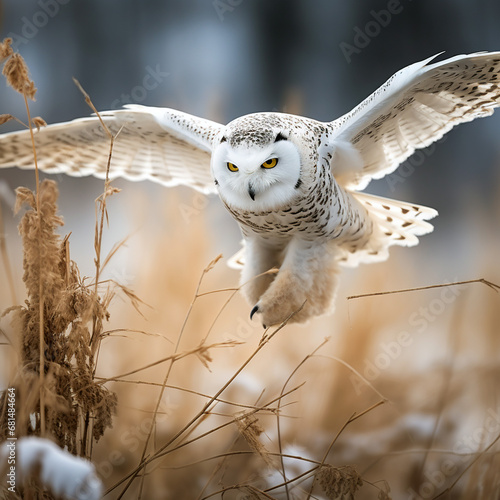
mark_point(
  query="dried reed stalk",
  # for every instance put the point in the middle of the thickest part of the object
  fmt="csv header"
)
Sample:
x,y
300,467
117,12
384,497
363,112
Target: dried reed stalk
x,y
170,446
67,309
6,260
484,281
339,483
16,73
54,336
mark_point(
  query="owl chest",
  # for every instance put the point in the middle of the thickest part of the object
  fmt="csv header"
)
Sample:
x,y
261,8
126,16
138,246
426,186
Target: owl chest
x,y
304,217
326,214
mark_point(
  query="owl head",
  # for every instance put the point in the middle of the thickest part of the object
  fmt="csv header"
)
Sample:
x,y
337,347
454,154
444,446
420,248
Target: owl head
x,y
256,164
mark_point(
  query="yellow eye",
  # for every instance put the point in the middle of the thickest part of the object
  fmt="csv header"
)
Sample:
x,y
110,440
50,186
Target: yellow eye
x,y
232,167
270,163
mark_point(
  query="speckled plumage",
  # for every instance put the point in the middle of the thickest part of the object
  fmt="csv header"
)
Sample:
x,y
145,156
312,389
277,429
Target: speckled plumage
x,y
320,208
304,214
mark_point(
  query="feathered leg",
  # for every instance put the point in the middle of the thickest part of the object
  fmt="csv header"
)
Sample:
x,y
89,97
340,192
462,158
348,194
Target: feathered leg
x,y
260,257
307,279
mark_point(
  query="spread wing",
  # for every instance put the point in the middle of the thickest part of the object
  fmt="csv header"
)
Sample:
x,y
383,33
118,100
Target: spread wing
x,y
160,144
414,108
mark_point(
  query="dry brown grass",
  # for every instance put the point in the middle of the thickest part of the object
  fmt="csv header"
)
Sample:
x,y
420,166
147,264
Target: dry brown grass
x,y
393,394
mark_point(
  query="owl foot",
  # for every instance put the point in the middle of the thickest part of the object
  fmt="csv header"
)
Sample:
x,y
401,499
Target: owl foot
x,y
281,302
274,315
253,311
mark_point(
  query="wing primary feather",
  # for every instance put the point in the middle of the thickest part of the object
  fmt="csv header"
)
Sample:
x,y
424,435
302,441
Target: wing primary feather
x,y
410,111
163,145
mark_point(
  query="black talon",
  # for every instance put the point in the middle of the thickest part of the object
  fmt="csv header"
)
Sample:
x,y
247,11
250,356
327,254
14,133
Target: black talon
x,y
254,310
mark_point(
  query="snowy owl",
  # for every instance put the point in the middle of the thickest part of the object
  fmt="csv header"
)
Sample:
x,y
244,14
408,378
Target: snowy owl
x,y
292,183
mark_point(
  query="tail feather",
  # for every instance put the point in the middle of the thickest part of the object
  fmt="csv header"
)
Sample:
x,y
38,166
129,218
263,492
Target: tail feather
x,y
237,261
394,223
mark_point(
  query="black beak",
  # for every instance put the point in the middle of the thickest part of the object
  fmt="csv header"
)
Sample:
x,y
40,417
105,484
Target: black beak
x,y
251,192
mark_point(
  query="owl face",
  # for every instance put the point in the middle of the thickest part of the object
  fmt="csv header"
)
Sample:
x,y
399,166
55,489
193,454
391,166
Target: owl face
x,y
256,170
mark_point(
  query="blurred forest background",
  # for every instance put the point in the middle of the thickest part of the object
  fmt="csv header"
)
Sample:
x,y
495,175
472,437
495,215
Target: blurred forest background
x,y
224,58
319,58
